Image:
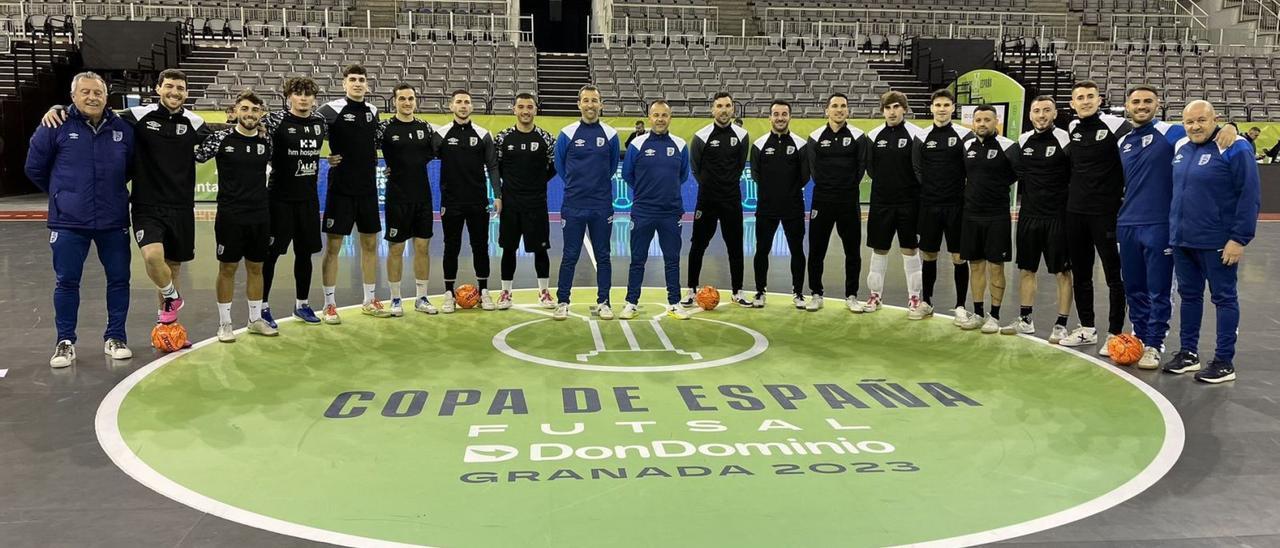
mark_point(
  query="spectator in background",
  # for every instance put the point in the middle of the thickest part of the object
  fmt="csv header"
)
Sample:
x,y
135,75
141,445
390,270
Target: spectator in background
x,y
638,132
1252,137
1273,153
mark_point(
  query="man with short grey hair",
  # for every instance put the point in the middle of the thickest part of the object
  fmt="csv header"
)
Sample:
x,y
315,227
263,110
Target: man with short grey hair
x,y
84,166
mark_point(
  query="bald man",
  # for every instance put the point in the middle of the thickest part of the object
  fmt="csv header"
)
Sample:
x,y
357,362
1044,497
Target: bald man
x,y
1213,217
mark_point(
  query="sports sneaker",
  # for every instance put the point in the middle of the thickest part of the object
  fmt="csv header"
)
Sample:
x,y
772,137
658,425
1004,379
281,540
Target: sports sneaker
x,y
604,312
688,299
1058,333
544,298
1021,325
1182,362
1105,351
971,322
117,349
758,302
741,300
561,313
873,303
374,308
504,300
992,325
64,354
448,304
266,316
815,303
629,311
1080,336
397,308
423,305
959,316
226,333
261,327
331,315
486,302
798,301
169,310
678,312
1218,371
306,314
920,311
1150,358
854,305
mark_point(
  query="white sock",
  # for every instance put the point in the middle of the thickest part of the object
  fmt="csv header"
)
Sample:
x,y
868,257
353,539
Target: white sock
x,y
255,311
368,292
915,278
544,283
506,285
421,287
875,276
329,293
395,290
169,292
224,312
299,303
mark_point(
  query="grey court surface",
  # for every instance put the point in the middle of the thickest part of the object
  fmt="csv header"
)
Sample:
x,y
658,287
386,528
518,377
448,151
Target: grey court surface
x,y
58,488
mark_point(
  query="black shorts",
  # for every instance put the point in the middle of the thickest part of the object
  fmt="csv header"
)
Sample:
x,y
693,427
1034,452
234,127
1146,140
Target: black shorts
x,y
986,240
172,227
883,222
250,242
342,211
938,222
409,220
296,222
533,226
1045,237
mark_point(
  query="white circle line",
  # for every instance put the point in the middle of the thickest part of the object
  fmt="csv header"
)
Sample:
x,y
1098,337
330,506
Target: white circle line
x,y
109,436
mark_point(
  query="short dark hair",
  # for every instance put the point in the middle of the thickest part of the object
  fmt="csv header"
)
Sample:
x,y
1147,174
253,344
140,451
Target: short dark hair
x,y
455,93
171,74
527,95
722,95
944,92
403,86
1255,128
354,68
300,85
837,94
1089,84
780,102
1048,98
892,96
588,87
1143,87
641,122
985,108
248,95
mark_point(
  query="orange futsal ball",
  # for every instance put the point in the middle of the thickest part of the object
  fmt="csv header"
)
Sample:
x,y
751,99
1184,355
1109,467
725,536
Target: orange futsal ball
x,y
708,297
169,337
1125,349
467,296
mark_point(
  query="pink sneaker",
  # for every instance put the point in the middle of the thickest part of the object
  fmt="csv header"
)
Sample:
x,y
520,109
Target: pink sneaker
x,y
544,297
169,311
873,303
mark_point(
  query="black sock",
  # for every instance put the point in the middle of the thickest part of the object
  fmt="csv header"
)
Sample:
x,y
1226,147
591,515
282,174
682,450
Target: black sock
x,y
483,283
995,311
448,286
1062,320
301,276
1026,313
977,308
268,276
962,283
930,269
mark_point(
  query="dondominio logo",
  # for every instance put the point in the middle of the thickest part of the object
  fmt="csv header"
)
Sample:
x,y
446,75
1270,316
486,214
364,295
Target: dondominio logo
x,y
489,453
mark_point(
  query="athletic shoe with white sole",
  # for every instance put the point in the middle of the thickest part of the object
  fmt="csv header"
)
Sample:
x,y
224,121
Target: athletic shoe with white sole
x,y
117,349
629,311
759,300
544,298
504,300
689,298
267,317
971,322
1150,358
226,333
676,311
1080,336
990,326
1218,371
64,354
959,316
397,308
331,315
1105,350
169,310
915,309
1058,333
741,300
872,304
374,308
261,327
797,300
1182,362
815,303
561,313
486,302
604,312
854,305
1021,325
448,304
423,305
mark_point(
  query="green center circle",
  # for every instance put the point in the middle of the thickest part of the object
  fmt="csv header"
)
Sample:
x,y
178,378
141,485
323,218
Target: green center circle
x,y
837,429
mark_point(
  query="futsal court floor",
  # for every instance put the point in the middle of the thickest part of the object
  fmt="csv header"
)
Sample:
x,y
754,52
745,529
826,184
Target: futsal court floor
x,y
59,488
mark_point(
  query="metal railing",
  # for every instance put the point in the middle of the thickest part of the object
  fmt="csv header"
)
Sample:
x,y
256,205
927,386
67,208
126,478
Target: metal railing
x,y
665,20
819,22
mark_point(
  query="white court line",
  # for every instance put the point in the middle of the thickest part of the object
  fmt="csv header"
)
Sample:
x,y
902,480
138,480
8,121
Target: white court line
x,y
662,335
3,373
591,252
630,335
595,335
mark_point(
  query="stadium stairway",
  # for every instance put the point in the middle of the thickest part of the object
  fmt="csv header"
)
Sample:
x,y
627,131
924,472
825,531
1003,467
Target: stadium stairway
x,y
732,15
202,67
560,75
899,77
24,59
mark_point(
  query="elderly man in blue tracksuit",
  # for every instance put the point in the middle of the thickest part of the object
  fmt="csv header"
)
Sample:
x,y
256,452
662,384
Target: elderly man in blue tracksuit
x,y
657,164
1214,215
1142,229
586,157
84,165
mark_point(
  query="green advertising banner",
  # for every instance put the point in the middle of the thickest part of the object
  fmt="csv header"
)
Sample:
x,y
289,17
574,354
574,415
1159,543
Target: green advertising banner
x,y
995,88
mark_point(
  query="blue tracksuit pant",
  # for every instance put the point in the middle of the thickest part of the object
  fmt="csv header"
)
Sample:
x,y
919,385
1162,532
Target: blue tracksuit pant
x,y
643,228
70,249
1146,265
594,223
1195,267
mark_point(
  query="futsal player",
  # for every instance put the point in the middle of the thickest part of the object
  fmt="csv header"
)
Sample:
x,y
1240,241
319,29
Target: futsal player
x,y
991,164
526,163
468,172
939,166
895,200
836,152
717,156
781,169
408,145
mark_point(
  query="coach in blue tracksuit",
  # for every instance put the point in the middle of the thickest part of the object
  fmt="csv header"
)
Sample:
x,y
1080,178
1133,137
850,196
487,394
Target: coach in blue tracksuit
x,y
84,165
657,164
1213,217
586,158
1142,229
